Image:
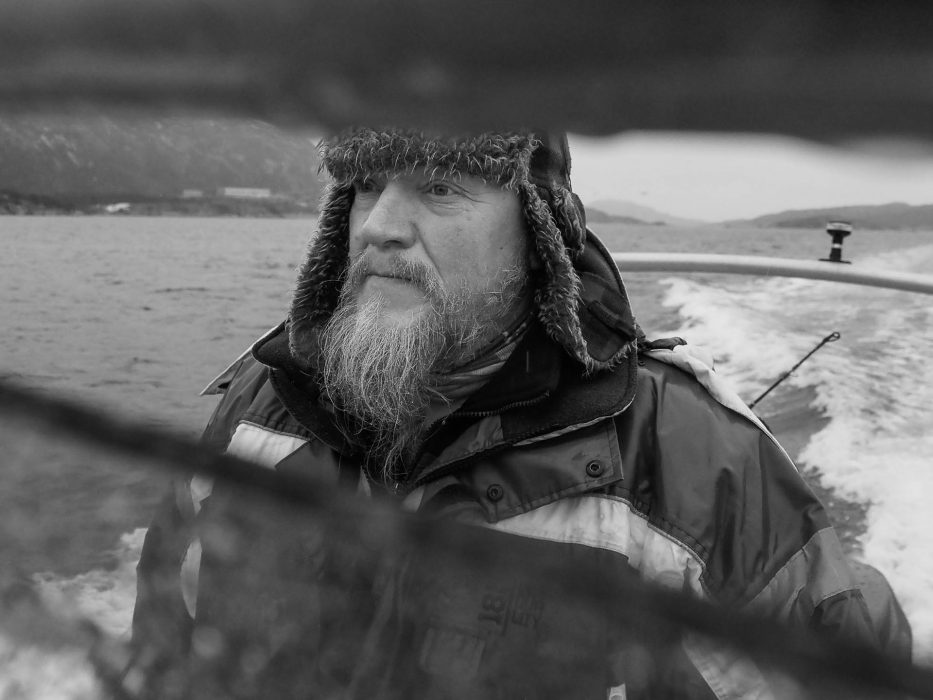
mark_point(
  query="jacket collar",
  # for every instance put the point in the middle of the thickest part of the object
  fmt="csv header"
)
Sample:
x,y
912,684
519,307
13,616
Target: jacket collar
x,y
539,391
530,374
298,391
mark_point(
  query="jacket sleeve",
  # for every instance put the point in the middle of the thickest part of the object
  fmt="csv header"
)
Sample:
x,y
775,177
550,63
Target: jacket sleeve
x,y
711,479
162,616
162,624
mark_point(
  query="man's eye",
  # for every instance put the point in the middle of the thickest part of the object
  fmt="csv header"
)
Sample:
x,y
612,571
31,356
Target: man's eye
x,y
440,189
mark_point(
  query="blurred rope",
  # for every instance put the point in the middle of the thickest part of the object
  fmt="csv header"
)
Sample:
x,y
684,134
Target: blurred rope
x,y
823,69
800,653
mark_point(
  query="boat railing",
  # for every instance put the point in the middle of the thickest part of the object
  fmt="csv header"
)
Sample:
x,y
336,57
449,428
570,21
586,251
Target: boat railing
x,y
772,267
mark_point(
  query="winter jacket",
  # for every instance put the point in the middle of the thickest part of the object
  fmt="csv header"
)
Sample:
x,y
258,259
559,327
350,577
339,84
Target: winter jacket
x,y
654,471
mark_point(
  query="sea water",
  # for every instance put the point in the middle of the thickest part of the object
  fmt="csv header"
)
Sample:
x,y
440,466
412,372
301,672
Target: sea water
x,y
135,315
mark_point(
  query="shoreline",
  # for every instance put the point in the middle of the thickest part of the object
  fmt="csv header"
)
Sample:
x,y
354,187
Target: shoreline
x,y
793,419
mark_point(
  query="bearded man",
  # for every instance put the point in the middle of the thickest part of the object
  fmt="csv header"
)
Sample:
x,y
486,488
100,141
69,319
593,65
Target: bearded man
x,y
460,342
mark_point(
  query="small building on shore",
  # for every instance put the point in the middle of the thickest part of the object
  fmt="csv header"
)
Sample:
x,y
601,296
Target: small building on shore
x,y
245,192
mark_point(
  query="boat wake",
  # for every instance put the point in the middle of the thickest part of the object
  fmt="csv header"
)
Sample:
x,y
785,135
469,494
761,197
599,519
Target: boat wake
x,y
874,386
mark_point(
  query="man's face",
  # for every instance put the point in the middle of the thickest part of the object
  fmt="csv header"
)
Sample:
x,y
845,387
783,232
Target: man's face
x,y
456,234
437,269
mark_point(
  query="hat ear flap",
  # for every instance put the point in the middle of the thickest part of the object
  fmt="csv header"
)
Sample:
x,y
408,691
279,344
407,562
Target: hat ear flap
x,y
558,293
570,218
321,276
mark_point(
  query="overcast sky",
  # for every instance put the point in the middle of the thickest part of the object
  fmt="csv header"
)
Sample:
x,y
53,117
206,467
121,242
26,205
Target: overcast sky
x,y
715,177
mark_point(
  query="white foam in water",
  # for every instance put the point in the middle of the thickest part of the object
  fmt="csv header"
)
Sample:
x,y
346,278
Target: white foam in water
x,y
730,325
30,672
104,597
875,385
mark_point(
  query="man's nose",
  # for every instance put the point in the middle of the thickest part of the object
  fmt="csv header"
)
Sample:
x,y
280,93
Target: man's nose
x,y
390,220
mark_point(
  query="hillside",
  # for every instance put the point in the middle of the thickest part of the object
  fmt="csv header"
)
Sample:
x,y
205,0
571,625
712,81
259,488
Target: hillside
x,y
895,216
623,211
82,163
598,216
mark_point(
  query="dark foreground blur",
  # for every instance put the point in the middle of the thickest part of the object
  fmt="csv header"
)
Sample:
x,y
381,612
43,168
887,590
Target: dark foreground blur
x,y
315,593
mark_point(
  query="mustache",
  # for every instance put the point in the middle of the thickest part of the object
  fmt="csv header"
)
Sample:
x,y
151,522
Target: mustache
x,y
394,266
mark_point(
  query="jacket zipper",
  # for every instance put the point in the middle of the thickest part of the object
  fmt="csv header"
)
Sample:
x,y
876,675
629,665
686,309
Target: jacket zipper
x,y
402,489
507,407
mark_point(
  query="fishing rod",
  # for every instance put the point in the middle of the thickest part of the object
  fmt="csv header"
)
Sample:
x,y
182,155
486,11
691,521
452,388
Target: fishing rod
x,y
831,338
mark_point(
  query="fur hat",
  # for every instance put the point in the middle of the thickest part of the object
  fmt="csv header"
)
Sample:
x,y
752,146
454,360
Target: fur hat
x,y
534,165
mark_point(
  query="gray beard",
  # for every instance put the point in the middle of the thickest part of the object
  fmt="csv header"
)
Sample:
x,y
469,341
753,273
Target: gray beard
x,y
379,374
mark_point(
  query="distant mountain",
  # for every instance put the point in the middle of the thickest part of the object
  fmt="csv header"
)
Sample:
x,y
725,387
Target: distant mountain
x,y
878,217
597,216
78,161
618,208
